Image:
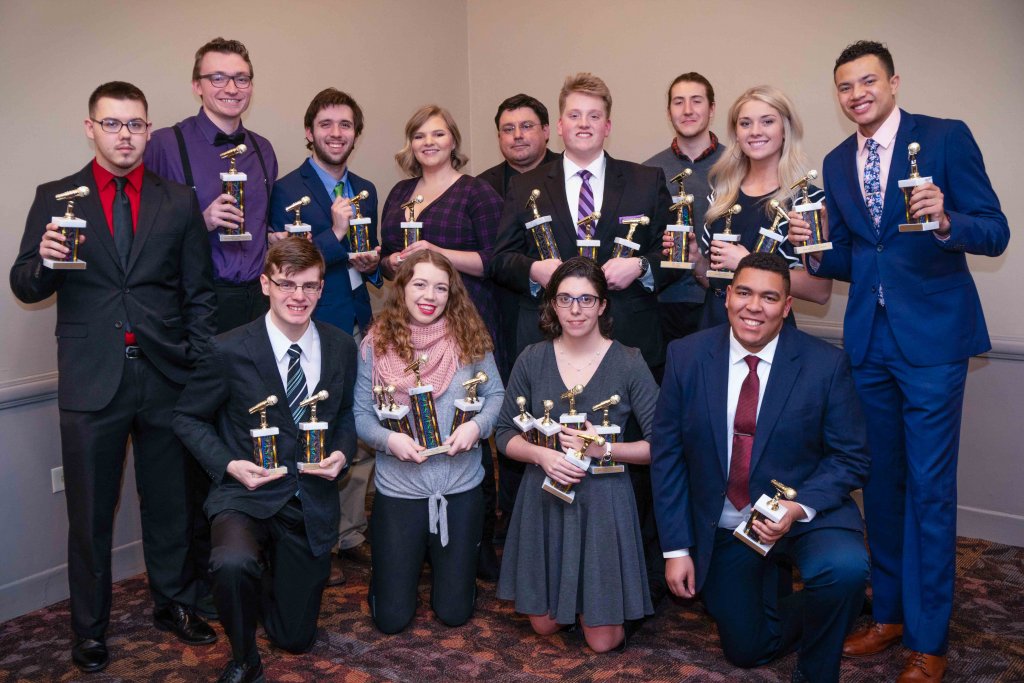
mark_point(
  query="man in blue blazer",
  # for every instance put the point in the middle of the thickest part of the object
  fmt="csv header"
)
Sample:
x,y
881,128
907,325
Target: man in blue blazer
x,y
912,322
711,458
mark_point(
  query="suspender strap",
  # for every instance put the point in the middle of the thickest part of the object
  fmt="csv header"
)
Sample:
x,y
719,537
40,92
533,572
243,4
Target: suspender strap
x,y
186,165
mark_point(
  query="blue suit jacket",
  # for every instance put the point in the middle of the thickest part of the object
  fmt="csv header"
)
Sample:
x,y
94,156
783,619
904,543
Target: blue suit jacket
x,y
810,435
339,305
930,296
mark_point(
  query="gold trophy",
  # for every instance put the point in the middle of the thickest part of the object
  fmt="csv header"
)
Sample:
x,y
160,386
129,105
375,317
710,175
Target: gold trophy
x,y
540,228
681,232
547,429
771,238
625,246
412,230
576,459
611,433
923,223
811,212
726,236
424,412
393,416
313,434
359,227
525,421
298,227
588,246
234,185
71,228
764,508
467,408
264,439
572,419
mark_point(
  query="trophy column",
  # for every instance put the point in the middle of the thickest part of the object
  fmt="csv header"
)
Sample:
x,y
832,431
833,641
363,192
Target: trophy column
x,y
540,229
234,184
588,246
71,228
611,433
424,412
811,212
412,230
681,233
313,434
264,438
359,227
298,227
726,236
924,223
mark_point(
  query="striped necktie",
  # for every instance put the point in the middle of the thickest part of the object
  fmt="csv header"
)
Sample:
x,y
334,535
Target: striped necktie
x,y
586,205
296,389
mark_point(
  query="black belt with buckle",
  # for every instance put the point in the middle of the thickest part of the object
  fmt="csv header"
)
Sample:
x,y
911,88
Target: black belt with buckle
x,y
132,352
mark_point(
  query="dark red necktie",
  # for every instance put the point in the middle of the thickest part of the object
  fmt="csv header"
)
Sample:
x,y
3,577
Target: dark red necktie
x,y
738,489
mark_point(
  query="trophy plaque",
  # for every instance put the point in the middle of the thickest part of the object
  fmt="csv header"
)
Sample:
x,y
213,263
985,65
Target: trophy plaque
x,y
546,428
313,434
578,459
770,238
234,185
726,236
467,408
924,223
764,508
681,232
611,433
71,227
588,246
424,412
359,227
525,422
264,439
298,227
625,246
412,230
572,419
393,416
540,228
811,212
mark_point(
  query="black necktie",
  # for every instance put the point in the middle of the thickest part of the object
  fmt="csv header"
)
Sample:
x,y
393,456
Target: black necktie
x,y
122,214
296,389
222,138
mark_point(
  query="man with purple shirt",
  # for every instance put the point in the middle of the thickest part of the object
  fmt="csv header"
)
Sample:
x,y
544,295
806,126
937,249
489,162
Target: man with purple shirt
x,y
189,152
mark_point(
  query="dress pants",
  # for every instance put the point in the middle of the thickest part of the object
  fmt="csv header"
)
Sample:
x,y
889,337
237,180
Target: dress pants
x,y
352,489
913,416
263,568
238,304
93,453
758,620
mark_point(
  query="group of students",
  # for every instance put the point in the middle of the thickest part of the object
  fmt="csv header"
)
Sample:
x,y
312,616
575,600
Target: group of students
x,y
474,295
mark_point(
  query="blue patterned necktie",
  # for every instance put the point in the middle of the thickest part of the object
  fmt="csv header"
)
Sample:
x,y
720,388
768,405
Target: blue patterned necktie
x,y
873,184
586,205
296,389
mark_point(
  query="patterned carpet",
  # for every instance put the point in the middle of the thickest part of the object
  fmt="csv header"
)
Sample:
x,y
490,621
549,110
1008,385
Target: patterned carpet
x,y
679,643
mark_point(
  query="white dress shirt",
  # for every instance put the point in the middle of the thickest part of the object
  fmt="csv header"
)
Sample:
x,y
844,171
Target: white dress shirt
x,y
309,342
885,136
573,183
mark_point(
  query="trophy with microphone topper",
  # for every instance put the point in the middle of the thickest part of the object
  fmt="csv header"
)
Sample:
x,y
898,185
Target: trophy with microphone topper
x,y
726,235
71,227
811,212
612,434
412,230
625,246
392,415
572,419
540,229
233,183
547,429
770,238
577,459
764,508
587,245
298,227
924,223
359,227
467,408
313,434
264,438
682,230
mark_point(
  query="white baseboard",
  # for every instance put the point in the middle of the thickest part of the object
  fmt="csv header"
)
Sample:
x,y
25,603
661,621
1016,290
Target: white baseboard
x,y
991,525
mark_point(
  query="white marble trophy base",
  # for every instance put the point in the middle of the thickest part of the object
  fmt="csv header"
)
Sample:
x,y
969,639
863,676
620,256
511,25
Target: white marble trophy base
x,y
298,228
437,450
582,245
387,414
538,221
240,237
626,248
576,421
812,248
923,226
764,507
552,488
269,431
525,424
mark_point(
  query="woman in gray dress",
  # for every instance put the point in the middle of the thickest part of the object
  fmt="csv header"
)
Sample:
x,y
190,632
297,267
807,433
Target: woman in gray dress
x,y
581,560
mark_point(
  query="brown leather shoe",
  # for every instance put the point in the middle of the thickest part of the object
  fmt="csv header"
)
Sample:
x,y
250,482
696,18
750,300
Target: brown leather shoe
x,y
921,667
872,639
337,576
359,554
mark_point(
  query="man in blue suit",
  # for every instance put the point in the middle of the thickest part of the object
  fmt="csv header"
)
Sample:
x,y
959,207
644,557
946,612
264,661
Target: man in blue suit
x,y
333,124
740,405
912,322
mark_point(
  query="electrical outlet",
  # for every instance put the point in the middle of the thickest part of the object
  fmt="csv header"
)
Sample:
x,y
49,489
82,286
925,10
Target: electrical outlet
x,y
57,479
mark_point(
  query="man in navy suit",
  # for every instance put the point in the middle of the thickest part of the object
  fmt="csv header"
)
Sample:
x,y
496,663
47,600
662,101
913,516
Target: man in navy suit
x,y
912,322
740,405
279,524
333,124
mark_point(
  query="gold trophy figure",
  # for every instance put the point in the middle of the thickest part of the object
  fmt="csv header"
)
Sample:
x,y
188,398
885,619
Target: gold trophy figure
x,y
424,412
572,419
771,238
234,185
393,416
359,227
525,421
811,212
467,408
412,230
547,429
264,439
540,228
313,433
625,246
726,236
588,246
681,232
298,227
611,433
924,223
576,459
764,508
71,228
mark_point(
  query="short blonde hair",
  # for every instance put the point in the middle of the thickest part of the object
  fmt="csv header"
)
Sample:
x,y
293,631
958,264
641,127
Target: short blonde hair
x,y
588,84
405,157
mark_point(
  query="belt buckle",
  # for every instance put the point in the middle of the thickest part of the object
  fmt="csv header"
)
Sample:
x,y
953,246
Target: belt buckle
x,y
132,352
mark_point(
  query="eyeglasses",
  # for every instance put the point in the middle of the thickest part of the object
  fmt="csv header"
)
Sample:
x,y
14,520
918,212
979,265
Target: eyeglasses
x,y
219,80
114,126
525,128
584,300
289,287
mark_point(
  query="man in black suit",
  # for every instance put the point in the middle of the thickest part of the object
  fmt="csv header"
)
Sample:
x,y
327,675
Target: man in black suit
x,y
289,518
130,327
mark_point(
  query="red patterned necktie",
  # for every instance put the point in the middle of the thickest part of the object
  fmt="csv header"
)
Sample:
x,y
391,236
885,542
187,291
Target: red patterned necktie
x,y
743,427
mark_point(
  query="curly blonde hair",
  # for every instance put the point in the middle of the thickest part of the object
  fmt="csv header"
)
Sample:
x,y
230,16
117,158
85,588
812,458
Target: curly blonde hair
x,y
406,158
390,327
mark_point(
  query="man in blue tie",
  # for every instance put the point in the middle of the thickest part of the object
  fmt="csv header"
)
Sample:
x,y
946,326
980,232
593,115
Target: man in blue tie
x,y
912,322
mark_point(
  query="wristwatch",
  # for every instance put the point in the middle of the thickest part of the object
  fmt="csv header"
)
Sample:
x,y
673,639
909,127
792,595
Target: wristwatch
x,y
645,265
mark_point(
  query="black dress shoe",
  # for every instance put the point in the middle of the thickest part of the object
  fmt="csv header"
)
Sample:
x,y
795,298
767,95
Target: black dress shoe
x,y
183,623
359,554
207,608
90,655
242,673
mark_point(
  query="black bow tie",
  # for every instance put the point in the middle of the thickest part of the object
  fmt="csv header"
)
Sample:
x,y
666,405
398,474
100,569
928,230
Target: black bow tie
x,y
222,138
